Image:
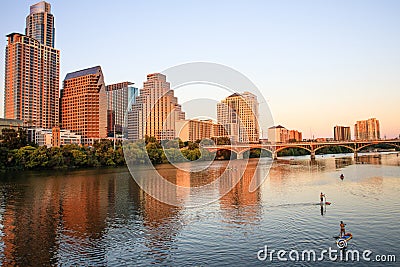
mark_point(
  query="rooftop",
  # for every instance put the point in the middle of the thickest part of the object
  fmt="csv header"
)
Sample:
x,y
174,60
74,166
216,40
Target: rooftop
x,y
80,73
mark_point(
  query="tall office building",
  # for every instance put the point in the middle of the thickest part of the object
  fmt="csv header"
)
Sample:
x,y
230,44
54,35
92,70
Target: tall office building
x,y
238,113
120,98
156,110
84,104
341,133
32,71
367,130
40,24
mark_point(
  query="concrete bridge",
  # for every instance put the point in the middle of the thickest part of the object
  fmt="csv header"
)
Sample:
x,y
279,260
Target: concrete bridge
x,y
312,147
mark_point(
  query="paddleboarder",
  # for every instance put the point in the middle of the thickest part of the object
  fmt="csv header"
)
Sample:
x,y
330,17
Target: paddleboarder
x,y
342,229
321,197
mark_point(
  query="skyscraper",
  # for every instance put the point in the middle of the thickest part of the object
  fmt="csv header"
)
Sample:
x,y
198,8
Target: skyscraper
x,y
367,130
156,110
32,71
40,24
341,133
120,98
238,113
84,104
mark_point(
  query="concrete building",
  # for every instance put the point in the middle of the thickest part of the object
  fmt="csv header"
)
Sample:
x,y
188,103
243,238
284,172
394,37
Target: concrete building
x,y
238,113
279,134
120,98
367,130
53,137
192,130
295,136
156,111
84,104
341,133
32,71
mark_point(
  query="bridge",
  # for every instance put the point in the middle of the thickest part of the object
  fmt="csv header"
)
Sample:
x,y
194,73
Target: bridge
x,y
312,147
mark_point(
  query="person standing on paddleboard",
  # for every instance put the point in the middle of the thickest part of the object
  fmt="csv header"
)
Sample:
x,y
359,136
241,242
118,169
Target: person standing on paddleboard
x,y
321,196
342,229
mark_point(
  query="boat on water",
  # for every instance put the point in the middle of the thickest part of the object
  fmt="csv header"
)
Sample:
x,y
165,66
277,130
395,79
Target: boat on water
x,y
325,203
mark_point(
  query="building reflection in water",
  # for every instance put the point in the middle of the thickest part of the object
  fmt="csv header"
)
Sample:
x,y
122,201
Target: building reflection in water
x,y
369,159
64,219
341,163
240,205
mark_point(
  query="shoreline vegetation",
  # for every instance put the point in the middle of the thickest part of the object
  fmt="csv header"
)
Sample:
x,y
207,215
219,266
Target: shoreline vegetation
x,y
17,154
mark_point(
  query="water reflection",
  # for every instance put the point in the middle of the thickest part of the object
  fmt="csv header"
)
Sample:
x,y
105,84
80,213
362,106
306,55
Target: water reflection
x,y
101,217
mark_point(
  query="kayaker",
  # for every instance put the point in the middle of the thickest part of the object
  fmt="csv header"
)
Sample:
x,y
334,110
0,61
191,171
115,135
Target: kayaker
x,y
342,229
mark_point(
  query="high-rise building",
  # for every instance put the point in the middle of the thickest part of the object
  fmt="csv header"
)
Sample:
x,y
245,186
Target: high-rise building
x,y
238,113
367,130
84,104
40,24
341,133
156,110
32,71
120,98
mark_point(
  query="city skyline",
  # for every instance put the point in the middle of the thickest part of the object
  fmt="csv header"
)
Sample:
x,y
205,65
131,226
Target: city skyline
x,y
341,49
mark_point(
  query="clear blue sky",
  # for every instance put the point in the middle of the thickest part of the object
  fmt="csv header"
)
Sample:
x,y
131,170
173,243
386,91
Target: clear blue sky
x,y
318,63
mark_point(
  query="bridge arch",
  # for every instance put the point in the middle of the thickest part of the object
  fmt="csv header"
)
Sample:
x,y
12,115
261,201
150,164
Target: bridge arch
x,y
292,146
330,145
372,144
227,148
251,148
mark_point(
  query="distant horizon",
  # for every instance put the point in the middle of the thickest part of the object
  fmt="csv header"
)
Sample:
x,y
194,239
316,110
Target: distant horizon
x,y
318,64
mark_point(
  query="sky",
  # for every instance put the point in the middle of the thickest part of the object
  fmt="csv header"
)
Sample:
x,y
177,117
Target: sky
x,y
317,63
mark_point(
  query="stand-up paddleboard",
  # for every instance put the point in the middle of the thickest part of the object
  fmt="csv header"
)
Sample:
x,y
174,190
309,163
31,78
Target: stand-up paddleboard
x,y
342,241
324,203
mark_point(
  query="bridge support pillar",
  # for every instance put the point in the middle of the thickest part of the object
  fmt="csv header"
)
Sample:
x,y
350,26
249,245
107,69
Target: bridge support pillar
x,y
312,155
274,155
239,155
355,154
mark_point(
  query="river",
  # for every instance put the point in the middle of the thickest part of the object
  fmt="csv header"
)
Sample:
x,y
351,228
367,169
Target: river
x,y
101,216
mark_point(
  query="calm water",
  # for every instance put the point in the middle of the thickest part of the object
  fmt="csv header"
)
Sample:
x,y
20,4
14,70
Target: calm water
x,y
101,217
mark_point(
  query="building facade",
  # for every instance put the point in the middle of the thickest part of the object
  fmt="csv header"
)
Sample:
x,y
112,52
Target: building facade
x,y
193,130
32,71
279,134
295,136
120,98
367,130
341,133
155,111
53,137
84,104
238,113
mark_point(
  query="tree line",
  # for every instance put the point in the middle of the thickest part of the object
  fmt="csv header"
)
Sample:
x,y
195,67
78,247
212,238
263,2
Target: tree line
x,y
16,153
